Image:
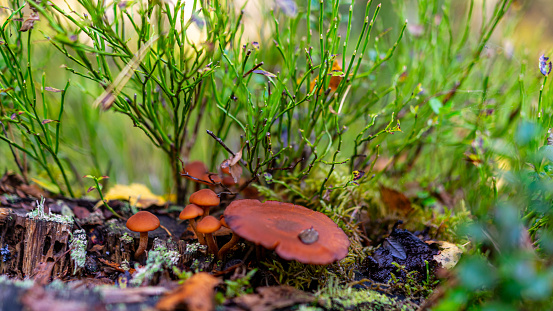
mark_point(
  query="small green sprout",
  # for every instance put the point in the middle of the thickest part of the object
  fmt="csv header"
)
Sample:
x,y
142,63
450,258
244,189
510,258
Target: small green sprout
x,y
98,188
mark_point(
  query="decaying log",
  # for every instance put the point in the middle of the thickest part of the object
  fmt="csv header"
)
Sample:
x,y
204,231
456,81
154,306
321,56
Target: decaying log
x,y
26,243
21,296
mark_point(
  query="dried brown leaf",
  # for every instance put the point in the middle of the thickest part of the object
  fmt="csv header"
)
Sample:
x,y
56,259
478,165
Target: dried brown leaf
x,y
196,294
449,254
29,23
395,200
237,157
236,172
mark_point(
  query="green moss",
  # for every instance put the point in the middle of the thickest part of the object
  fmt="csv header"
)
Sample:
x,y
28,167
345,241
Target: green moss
x,y
158,259
344,298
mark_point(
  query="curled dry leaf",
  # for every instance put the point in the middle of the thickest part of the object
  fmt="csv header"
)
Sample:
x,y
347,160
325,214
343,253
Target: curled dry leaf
x,y
196,294
233,165
29,23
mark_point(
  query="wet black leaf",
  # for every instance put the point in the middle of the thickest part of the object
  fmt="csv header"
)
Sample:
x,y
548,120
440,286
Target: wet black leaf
x,y
395,248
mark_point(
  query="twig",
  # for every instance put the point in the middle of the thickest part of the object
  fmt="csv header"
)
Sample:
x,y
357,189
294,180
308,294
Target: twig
x,y
220,141
251,70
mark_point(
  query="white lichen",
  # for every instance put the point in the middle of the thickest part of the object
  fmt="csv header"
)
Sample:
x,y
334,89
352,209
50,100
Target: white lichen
x,y
194,247
39,214
125,265
158,259
77,244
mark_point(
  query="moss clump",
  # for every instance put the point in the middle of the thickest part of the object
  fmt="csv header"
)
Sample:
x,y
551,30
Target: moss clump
x,y
126,238
346,298
158,259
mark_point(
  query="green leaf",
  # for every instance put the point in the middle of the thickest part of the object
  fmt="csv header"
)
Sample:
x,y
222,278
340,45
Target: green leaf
x,y
436,105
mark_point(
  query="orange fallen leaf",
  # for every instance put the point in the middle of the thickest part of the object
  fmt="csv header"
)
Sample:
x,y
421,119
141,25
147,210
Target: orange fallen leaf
x,y
115,266
195,294
395,200
334,80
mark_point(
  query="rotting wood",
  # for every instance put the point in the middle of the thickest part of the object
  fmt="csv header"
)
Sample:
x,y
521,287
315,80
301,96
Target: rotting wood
x,y
27,243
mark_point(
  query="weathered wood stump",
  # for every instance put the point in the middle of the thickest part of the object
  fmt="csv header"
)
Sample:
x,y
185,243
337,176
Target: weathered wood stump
x,y
29,246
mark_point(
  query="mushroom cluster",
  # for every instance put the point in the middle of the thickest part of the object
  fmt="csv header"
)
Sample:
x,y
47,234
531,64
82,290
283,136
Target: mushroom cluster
x,y
294,232
200,203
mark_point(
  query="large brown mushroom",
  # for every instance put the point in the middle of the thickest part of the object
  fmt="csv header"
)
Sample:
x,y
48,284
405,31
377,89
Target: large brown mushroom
x,y
293,231
142,222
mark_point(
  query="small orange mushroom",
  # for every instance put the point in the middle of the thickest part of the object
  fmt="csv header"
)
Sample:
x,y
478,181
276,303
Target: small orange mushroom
x,y
233,241
208,225
293,231
142,222
205,198
190,212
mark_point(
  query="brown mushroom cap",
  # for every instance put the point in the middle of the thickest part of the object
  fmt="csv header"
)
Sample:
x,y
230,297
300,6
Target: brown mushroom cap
x,y
191,211
143,221
209,224
198,170
204,197
195,169
276,225
223,221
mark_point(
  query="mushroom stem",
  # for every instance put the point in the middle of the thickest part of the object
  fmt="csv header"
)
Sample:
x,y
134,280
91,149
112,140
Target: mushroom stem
x,y
211,244
258,253
223,251
200,236
141,245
